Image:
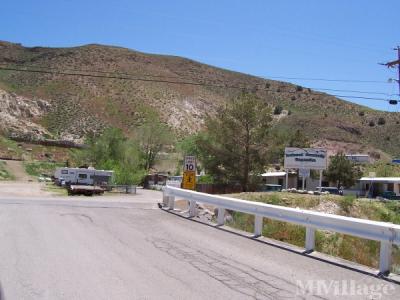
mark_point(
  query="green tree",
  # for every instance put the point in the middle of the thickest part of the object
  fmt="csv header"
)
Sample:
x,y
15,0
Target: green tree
x,y
280,138
342,171
152,136
189,146
113,151
233,147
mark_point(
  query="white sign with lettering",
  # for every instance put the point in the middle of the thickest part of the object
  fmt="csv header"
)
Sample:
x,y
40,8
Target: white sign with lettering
x,y
190,164
305,158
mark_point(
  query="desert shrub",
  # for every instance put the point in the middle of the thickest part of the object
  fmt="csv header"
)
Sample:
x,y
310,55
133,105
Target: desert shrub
x,y
346,203
278,110
381,121
371,123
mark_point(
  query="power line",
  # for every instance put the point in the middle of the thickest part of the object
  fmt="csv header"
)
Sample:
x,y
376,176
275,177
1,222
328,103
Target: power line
x,y
352,91
172,82
180,77
91,71
327,79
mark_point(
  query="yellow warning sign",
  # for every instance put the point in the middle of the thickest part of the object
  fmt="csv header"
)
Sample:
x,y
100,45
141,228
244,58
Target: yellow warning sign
x,y
189,180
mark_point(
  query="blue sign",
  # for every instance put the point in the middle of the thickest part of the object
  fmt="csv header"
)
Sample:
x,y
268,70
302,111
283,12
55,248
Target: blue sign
x,y
396,161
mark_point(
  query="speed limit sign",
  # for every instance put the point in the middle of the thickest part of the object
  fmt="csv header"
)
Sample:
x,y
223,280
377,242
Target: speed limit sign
x,y
190,164
189,173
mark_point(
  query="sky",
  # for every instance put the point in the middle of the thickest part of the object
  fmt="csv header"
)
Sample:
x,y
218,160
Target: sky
x,y
283,40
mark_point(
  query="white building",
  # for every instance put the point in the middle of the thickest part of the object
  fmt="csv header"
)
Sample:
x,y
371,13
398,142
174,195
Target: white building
x,y
375,186
358,158
279,177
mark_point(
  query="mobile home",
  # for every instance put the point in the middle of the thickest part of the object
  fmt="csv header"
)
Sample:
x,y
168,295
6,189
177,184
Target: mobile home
x,y
82,176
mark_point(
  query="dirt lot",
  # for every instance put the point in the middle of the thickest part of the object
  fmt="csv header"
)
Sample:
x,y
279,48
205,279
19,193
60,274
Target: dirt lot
x,y
23,189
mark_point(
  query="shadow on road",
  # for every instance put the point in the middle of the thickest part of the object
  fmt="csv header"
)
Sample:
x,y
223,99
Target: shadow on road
x,y
1,293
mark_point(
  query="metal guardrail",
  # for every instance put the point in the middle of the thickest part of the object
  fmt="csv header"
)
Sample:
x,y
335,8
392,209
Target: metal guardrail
x,y
386,233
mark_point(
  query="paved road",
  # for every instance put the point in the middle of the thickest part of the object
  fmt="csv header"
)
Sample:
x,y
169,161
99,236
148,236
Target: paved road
x,y
104,248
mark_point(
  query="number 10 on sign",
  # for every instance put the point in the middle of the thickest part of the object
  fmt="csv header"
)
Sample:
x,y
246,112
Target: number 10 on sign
x,y
190,164
189,173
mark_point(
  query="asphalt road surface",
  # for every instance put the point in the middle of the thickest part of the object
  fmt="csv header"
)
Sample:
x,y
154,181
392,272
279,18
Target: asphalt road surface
x,y
127,248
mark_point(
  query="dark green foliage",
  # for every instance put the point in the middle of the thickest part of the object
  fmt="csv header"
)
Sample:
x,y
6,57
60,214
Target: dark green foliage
x,y
299,88
234,145
278,110
342,171
284,137
113,151
152,136
371,123
361,113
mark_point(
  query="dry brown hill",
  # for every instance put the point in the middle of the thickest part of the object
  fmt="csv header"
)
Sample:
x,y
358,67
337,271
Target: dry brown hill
x,y
78,105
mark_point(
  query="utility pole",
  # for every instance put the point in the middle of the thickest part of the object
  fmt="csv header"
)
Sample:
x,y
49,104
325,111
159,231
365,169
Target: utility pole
x,y
392,64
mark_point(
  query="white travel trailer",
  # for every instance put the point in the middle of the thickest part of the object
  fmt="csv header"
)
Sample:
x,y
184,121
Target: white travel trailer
x,y
82,176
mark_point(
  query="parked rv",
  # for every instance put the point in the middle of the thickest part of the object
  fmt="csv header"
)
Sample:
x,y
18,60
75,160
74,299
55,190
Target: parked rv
x,y
82,176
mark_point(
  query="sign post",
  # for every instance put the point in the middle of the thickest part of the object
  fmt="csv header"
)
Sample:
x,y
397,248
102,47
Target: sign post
x,y
304,173
189,173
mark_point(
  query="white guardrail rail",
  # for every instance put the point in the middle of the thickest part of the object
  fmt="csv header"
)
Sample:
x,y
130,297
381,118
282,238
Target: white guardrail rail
x,y
386,233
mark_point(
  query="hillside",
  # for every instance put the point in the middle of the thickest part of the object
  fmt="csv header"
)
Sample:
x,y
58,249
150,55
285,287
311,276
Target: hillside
x,y
45,105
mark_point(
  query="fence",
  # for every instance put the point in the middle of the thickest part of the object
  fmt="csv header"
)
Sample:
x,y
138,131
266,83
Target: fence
x,y
127,189
386,233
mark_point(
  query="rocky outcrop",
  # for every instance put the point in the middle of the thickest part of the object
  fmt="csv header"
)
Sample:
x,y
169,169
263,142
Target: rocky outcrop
x,y
17,115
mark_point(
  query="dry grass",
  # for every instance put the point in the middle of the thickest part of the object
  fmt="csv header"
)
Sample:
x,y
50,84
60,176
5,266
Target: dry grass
x,y
365,252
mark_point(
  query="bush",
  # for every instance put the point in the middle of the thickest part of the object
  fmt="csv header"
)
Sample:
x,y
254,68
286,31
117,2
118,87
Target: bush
x,y
346,203
299,88
38,168
4,174
278,110
361,113
381,121
293,98
208,179
371,123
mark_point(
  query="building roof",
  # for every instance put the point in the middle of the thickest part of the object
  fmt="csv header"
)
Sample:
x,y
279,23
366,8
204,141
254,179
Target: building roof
x,y
381,179
273,174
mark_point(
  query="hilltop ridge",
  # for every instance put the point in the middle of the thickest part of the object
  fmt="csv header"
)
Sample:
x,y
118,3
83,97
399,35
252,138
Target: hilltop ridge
x,y
80,105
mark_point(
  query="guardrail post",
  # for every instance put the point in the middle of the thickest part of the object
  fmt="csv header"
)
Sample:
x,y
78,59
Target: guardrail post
x,y
385,257
258,225
171,202
192,208
221,216
165,199
310,239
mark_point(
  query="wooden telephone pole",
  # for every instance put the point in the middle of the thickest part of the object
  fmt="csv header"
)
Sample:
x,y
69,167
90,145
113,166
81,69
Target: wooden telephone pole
x,y
393,64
